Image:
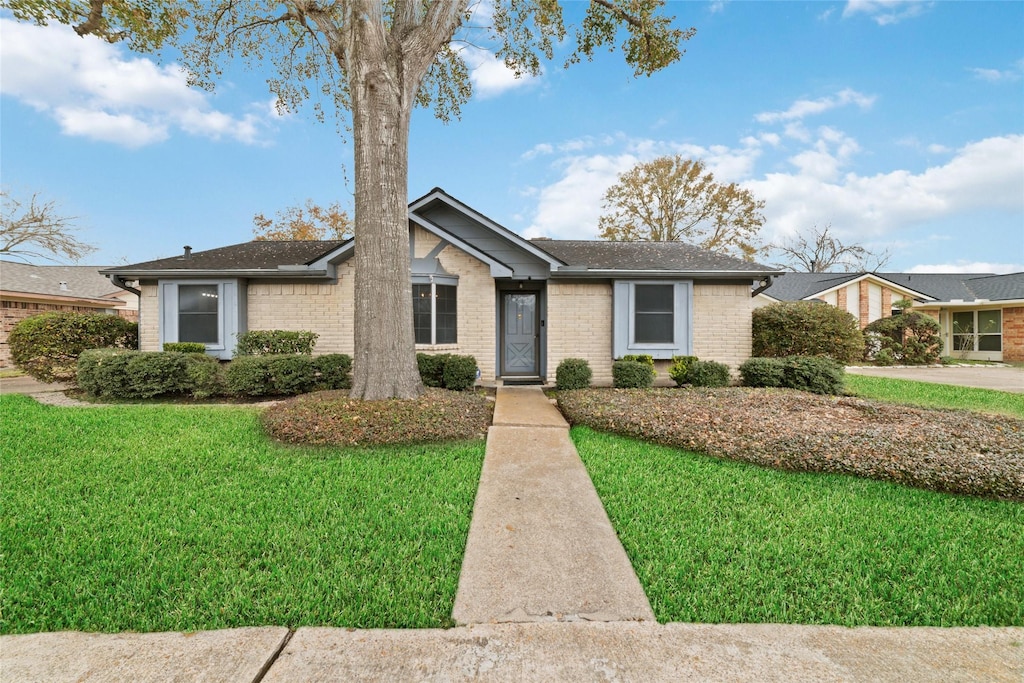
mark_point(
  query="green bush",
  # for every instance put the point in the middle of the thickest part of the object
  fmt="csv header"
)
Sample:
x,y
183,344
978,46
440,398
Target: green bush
x,y
632,374
763,372
806,328
333,371
205,375
573,373
911,338
124,374
708,373
47,346
459,373
98,367
819,375
431,367
248,376
680,366
185,347
291,374
275,342
644,358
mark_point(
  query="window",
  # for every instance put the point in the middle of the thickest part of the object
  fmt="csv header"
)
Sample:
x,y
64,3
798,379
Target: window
x,y
198,308
978,330
434,313
652,317
653,314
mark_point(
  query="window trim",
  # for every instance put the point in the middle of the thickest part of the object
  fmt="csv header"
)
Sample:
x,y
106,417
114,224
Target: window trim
x,y
624,320
436,281
975,334
231,318
634,311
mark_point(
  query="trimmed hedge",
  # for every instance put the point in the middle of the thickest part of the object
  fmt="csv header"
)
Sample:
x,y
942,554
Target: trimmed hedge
x,y
816,374
124,374
447,370
275,342
185,347
333,371
806,328
911,338
644,358
632,374
680,367
573,373
281,375
707,373
47,346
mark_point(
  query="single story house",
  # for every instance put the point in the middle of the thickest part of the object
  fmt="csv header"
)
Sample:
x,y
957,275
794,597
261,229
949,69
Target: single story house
x,y
518,306
981,315
27,290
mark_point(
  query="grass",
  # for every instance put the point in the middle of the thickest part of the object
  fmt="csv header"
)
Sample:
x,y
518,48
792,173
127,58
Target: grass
x,y
723,542
187,518
932,395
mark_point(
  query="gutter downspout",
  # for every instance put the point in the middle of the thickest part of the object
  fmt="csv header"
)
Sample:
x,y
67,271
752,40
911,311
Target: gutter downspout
x,y
765,284
117,281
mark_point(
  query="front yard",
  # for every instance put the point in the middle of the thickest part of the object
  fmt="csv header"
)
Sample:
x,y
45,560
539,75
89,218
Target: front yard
x,y
187,518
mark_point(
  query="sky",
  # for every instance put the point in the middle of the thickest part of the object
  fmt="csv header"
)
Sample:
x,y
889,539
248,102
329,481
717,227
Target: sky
x,y
898,124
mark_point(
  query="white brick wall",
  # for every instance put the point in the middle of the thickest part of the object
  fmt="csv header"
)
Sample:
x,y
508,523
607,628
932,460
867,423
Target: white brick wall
x,y
149,318
722,323
580,326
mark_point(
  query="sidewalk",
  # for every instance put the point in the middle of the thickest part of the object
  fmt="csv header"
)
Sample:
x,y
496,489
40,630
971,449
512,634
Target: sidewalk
x,y
541,554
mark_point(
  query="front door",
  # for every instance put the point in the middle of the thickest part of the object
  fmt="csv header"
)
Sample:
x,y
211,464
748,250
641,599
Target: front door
x,y
520,335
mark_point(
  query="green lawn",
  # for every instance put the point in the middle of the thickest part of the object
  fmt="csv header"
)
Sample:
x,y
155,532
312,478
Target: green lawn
x,y
724,542
186,518
935,395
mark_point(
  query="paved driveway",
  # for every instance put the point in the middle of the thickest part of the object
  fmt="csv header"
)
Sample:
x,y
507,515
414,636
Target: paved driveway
x,y
1003,378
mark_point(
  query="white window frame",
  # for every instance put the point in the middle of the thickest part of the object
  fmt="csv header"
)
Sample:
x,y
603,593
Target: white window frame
x,y
434,282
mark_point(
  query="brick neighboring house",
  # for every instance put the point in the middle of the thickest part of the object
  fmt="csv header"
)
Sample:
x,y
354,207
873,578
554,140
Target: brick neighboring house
x,y
27,290
518,306
981,315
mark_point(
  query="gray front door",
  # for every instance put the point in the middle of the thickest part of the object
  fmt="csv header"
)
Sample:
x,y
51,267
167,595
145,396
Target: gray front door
x,y
519,342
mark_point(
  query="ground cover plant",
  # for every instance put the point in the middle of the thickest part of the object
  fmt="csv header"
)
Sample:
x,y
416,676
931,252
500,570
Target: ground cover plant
x,y
955,451
197,521
332,418
932,395
725,542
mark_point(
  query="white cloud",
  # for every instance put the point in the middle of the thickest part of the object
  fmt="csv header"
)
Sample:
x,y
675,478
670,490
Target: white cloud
x,y
968,267
1010,75
92,90
804,108
489,74
886,12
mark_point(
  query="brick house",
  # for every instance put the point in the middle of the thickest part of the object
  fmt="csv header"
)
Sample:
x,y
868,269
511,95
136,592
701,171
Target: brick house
x,y
518,306
27,290
981,315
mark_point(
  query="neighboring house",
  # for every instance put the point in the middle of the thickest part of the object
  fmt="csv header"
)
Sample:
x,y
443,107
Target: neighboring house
x,y
981,315
26,290
518,306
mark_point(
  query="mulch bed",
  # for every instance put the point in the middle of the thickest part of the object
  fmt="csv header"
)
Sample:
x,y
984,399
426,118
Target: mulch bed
x,y
953,451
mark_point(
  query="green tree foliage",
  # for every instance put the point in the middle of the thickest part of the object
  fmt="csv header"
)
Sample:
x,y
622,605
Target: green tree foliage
x,y
47,345
806,328
676,199
911,338
377,60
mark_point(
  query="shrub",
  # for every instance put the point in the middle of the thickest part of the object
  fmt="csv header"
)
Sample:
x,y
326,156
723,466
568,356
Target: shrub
x,y
632,374
205,375
911,338
644,358
47,346
680,366
333,371
94,369
573,373
123,374
185,347
291,374
459,372
763,372
819,375
431,368
708,373
249,376
275,342
805,328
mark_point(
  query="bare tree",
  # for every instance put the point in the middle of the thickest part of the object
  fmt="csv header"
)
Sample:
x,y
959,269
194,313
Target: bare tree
x,y
38,230
823,252
377,59
308,222
677,199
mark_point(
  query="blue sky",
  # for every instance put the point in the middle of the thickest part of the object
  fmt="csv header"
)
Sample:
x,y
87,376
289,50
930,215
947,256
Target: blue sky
x,y
901,124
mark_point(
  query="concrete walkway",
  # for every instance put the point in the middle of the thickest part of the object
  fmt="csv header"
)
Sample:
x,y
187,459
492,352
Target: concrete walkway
x,y
540,551
540,545
998,377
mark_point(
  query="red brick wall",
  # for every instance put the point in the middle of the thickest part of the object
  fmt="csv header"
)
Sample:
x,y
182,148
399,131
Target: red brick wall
x,y
1013,334
13,312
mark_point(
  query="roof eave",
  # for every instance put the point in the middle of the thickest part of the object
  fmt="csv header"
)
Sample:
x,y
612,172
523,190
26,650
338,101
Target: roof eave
x,y
297,272
975,303
640,273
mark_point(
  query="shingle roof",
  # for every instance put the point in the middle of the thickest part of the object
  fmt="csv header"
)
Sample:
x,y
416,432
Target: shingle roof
x,y
632,256
255,255
940,286
82,281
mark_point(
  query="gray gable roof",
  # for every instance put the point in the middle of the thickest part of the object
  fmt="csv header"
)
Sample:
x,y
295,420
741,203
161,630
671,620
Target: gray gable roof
x,y
997,287
255,255
939,286
81,281
799,286
645,256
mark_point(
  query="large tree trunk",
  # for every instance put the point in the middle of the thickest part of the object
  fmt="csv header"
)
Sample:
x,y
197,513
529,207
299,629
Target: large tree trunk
x,y
384,365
